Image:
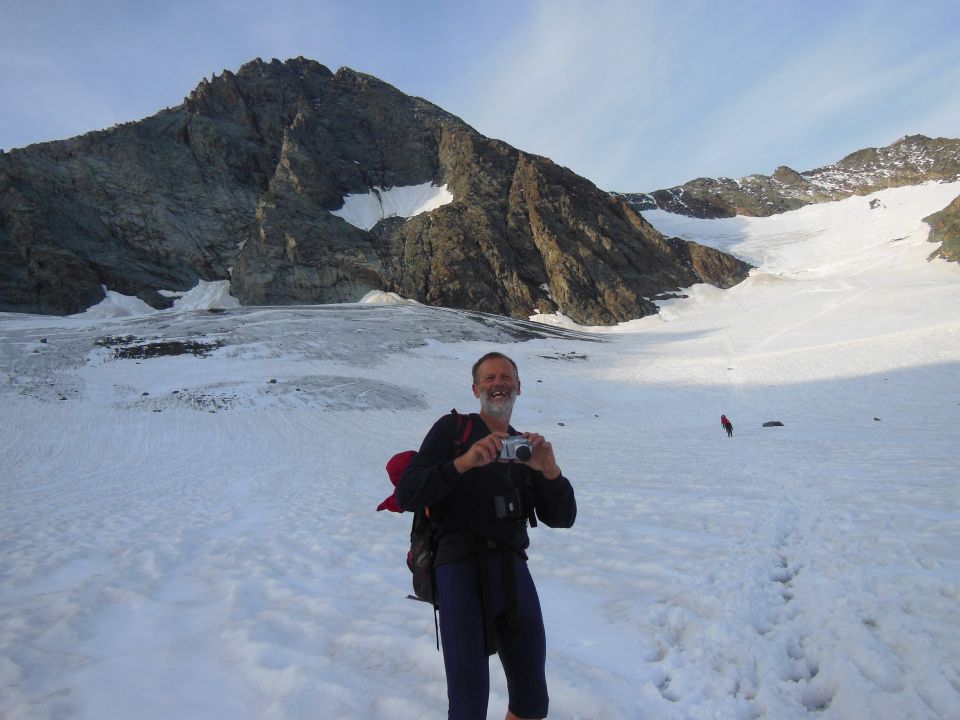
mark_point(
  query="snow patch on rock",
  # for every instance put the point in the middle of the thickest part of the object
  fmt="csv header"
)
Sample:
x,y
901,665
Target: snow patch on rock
x,y
367,209
380,297
204,296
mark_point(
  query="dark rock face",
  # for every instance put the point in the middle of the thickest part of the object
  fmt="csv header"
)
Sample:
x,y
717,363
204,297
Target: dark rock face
x,y
945,229
724,271
909,161
240,180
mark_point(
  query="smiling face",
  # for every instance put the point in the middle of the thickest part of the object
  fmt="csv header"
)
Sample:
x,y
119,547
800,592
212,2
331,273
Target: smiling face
x,y
497,386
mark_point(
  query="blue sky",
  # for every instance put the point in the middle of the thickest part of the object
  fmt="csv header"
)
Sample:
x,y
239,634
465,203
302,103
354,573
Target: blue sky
x,y
634,95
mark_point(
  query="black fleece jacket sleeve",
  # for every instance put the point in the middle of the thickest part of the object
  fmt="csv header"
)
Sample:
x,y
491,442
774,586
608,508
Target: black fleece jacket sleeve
x,y
555,503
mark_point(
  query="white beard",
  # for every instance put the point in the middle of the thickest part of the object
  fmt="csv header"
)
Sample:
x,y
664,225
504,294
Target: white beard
x,y
501,408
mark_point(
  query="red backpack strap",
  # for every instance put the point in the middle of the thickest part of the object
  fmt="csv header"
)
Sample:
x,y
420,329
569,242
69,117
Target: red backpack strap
x,y
460,441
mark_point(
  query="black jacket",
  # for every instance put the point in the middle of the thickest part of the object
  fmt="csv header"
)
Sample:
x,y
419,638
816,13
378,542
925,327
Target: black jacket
x,y
463,507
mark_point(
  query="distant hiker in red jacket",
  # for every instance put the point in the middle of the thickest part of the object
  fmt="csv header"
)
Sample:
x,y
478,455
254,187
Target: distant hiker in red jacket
x,y
727,425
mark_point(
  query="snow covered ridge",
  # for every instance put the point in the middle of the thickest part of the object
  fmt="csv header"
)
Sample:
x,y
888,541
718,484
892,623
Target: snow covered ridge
x,y
909,161
366,210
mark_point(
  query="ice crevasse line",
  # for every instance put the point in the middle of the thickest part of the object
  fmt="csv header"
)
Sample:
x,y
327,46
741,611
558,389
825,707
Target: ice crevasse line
x,y
367,209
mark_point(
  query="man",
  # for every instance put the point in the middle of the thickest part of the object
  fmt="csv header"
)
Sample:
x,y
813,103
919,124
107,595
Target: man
x,y
480,506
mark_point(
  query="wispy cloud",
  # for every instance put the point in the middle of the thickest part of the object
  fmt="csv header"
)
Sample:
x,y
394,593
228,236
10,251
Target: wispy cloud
x,y
854,82
633,94
639,95
573,80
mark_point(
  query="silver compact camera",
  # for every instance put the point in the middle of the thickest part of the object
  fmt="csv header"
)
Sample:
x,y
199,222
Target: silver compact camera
x,y
516,447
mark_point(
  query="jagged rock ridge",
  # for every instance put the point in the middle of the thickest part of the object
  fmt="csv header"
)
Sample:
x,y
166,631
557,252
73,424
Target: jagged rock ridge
x,y
909,161
240,180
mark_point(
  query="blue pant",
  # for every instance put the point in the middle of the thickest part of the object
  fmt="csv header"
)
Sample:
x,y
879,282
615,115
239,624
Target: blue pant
x,y
521,646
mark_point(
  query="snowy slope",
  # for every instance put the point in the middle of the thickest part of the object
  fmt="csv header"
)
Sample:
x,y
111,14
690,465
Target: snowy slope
x,y
188,527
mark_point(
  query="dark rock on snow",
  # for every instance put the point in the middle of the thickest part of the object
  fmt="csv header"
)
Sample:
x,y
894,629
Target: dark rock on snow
x,y
945,229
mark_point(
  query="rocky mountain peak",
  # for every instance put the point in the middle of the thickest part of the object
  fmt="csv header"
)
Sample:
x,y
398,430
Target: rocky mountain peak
x,y
242,181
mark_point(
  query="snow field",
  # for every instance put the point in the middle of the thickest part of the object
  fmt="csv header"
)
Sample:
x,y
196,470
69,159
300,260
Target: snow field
x,y
183,536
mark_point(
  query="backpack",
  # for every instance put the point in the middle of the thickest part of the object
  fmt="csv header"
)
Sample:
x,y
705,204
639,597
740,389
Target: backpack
x,y
423,538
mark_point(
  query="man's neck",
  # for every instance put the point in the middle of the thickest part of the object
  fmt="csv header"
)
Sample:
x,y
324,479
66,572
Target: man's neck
x,y
494,423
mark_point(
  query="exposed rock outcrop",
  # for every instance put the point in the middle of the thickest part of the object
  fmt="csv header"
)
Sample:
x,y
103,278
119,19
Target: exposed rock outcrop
x,y
239,182
945,229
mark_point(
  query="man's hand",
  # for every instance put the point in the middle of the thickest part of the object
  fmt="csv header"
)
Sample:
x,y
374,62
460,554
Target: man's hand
x,y
482,452
543,458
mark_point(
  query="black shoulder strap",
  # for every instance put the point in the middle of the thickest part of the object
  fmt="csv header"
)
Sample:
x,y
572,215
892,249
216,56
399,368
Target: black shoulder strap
x,y
459,440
